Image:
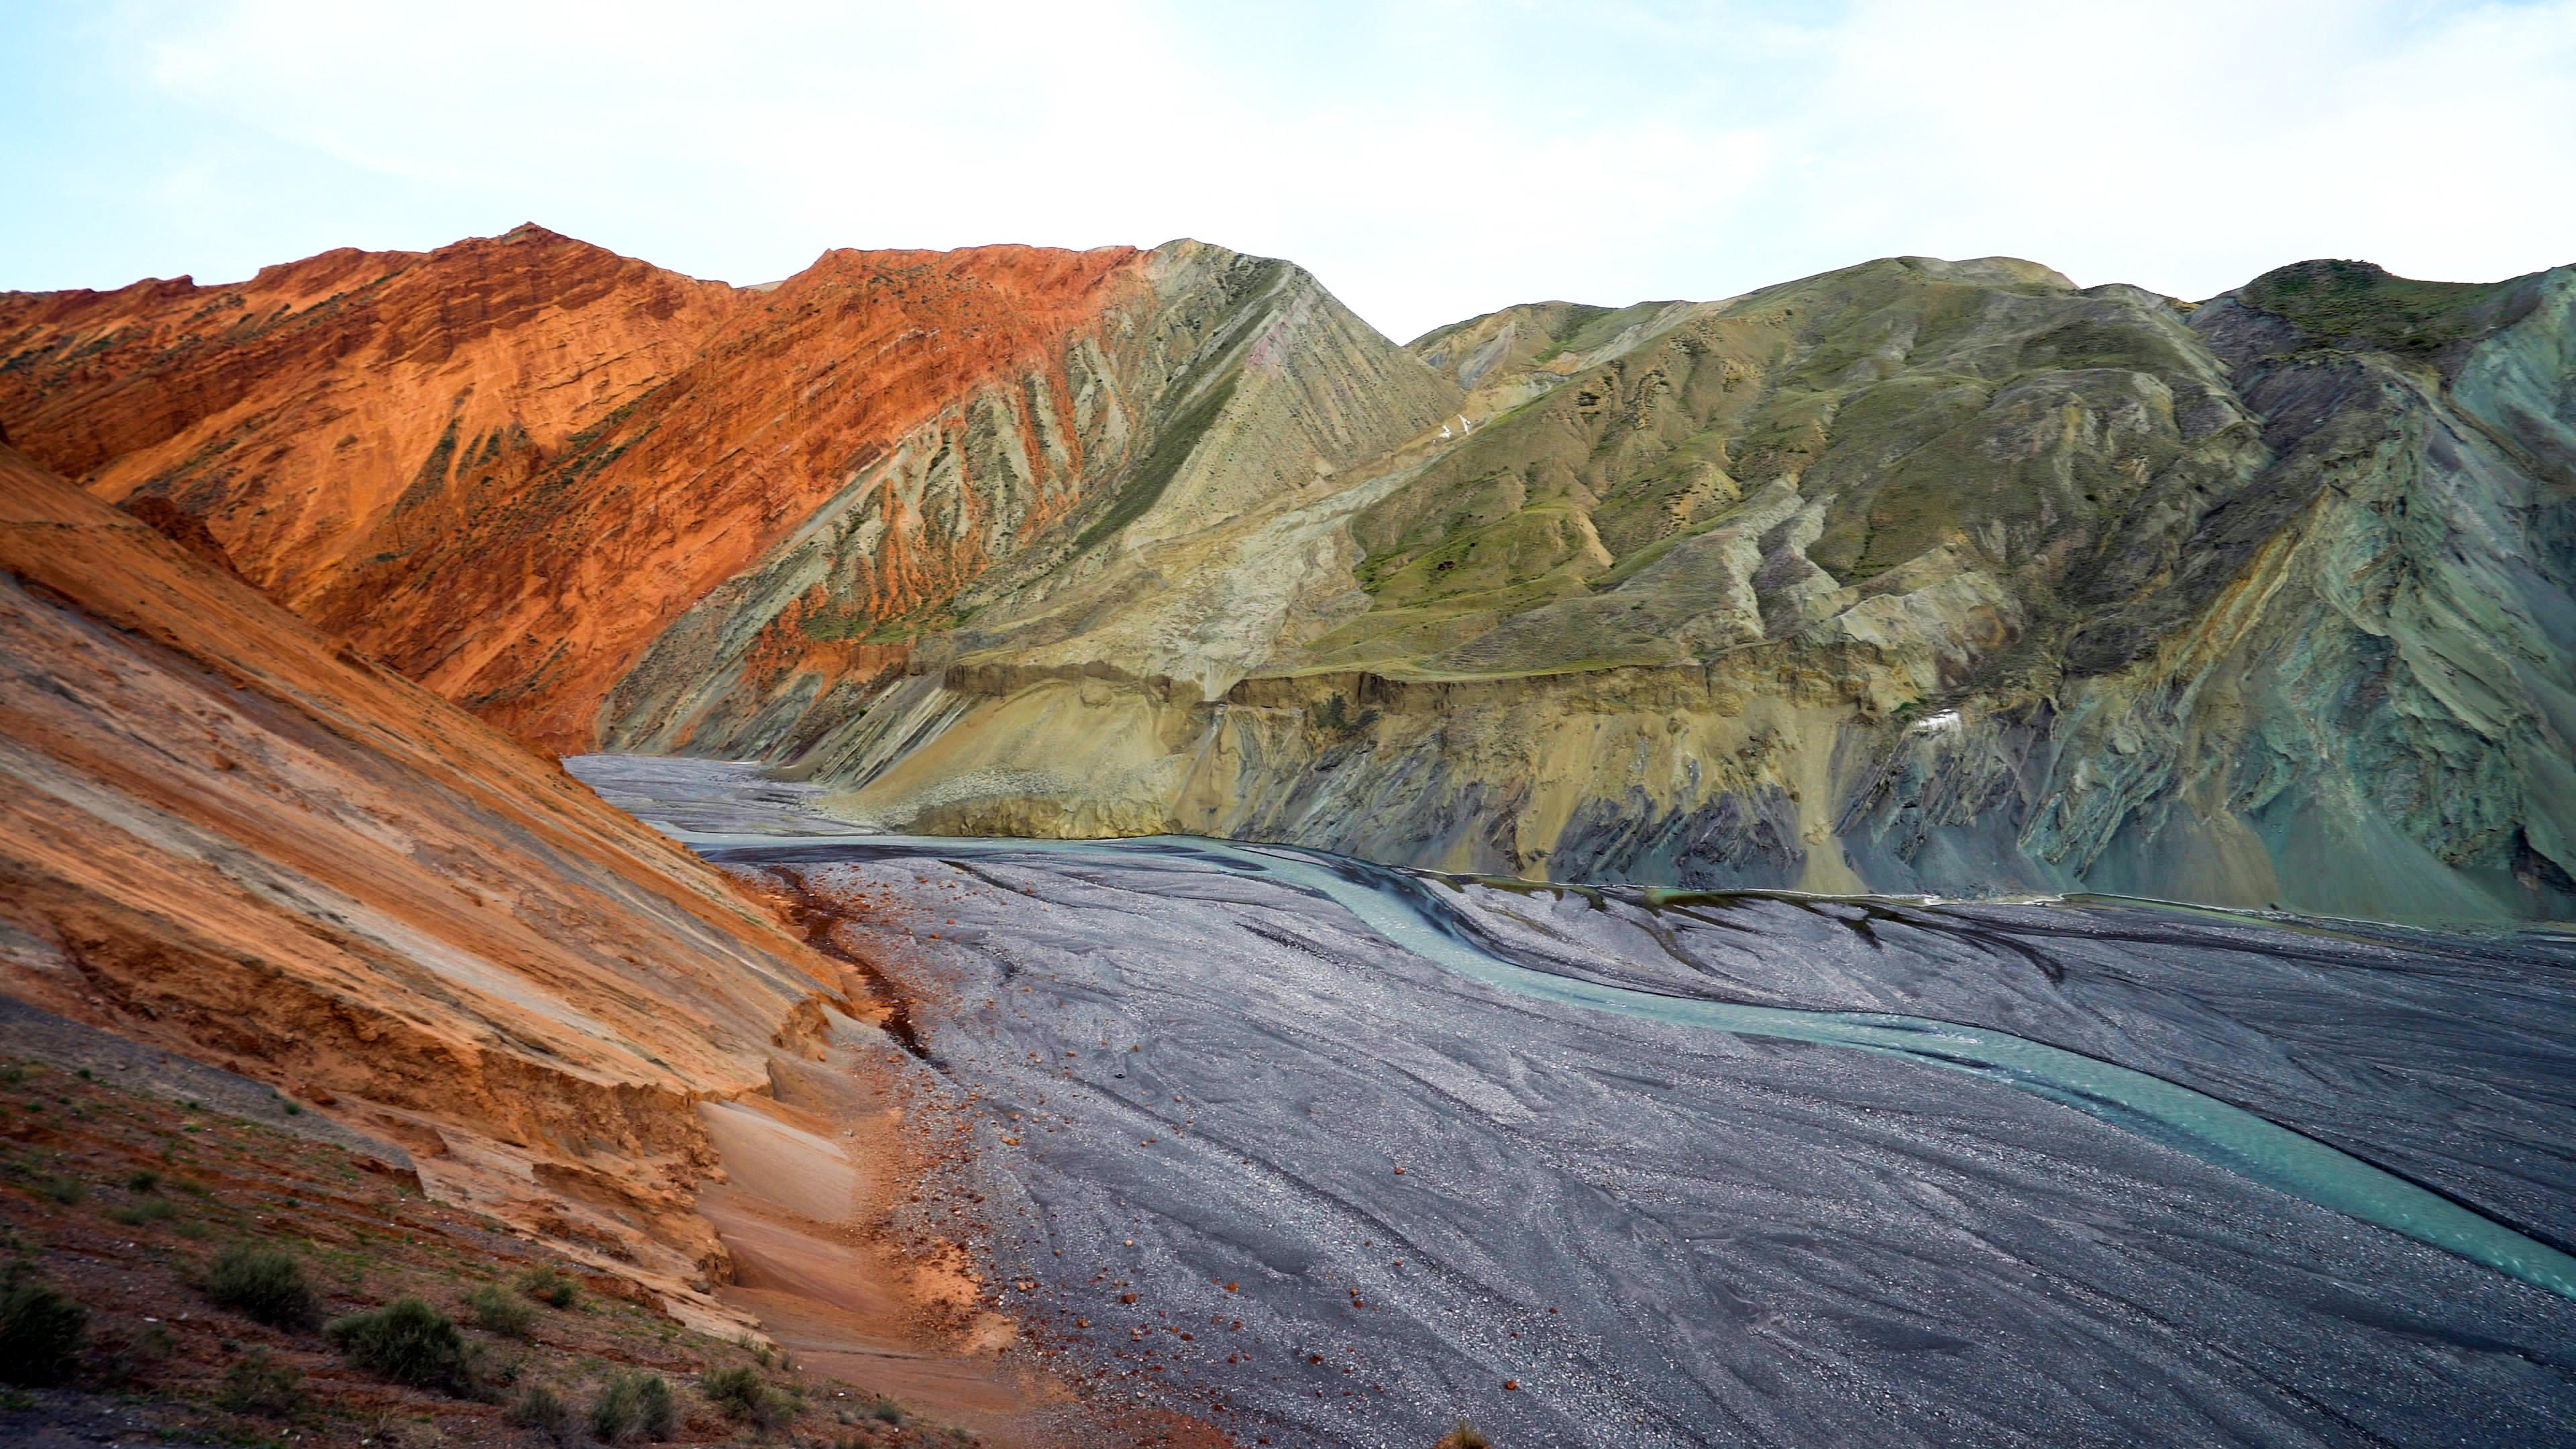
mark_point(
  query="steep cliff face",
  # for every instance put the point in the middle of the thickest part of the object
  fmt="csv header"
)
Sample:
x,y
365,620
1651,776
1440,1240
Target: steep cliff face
x,y
308,415
506,466
231,836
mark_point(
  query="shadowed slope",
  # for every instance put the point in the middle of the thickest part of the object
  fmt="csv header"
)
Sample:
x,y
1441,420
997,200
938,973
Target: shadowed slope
x,y
1916,575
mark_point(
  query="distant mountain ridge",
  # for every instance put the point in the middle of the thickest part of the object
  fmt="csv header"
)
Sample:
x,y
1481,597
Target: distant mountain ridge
x,y
1914,576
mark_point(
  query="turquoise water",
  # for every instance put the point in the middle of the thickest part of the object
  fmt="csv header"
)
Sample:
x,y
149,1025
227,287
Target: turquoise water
x,y
2177,1116
1403,909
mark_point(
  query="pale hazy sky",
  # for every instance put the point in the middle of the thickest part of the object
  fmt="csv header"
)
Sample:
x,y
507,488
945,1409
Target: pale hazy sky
x,y
1429,159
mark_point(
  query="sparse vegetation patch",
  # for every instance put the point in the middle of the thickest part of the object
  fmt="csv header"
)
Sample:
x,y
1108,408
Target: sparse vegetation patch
x,y
2357,304
42,1332
408,1342
499,1310
99,1311
542,1409
555,1289
633,1405
265,1283
258,1384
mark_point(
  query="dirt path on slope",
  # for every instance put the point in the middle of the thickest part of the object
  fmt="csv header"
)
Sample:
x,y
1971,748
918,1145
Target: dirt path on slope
x,y
852,1221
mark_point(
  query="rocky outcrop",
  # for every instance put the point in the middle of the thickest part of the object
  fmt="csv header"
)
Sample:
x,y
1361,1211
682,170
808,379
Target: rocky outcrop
x,y
234,837
308,416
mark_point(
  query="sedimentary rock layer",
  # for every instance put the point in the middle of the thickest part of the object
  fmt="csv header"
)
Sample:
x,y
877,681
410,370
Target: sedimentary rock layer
x,y
229,835
585,497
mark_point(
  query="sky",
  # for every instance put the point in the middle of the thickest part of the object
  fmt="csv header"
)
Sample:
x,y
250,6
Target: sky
x,y
1428,159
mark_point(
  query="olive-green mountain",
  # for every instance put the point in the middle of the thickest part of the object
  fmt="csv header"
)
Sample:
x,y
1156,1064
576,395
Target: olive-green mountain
x,y
1914,576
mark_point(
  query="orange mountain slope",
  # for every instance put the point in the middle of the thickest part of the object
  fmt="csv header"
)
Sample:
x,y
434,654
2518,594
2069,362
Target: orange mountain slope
x,y
512,467
228,835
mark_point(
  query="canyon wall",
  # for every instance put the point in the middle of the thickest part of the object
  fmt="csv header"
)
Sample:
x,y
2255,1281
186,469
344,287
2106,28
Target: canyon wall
x,y
1915,576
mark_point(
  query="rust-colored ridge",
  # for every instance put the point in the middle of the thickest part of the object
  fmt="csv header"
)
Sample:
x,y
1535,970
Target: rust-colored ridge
x,y
505,466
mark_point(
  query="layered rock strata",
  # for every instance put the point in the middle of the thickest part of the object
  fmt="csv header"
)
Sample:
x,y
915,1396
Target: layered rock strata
x,y
592,500
233,837
1919,575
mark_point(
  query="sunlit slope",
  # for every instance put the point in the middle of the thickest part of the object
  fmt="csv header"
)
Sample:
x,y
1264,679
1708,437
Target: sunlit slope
x,y
231,836
592,500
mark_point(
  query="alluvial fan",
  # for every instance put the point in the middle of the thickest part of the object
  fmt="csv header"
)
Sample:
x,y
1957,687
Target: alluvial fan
x,y
1260,1136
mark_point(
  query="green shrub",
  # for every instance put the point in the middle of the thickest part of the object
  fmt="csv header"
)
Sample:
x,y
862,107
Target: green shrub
x,y
542,1409
500,1310
256,1384
264,1283
885,1409
740,1393
777,1408
406,1341
633,1405
65,1190
545,1285
41,1331
140,1214
733,1388
142,1181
